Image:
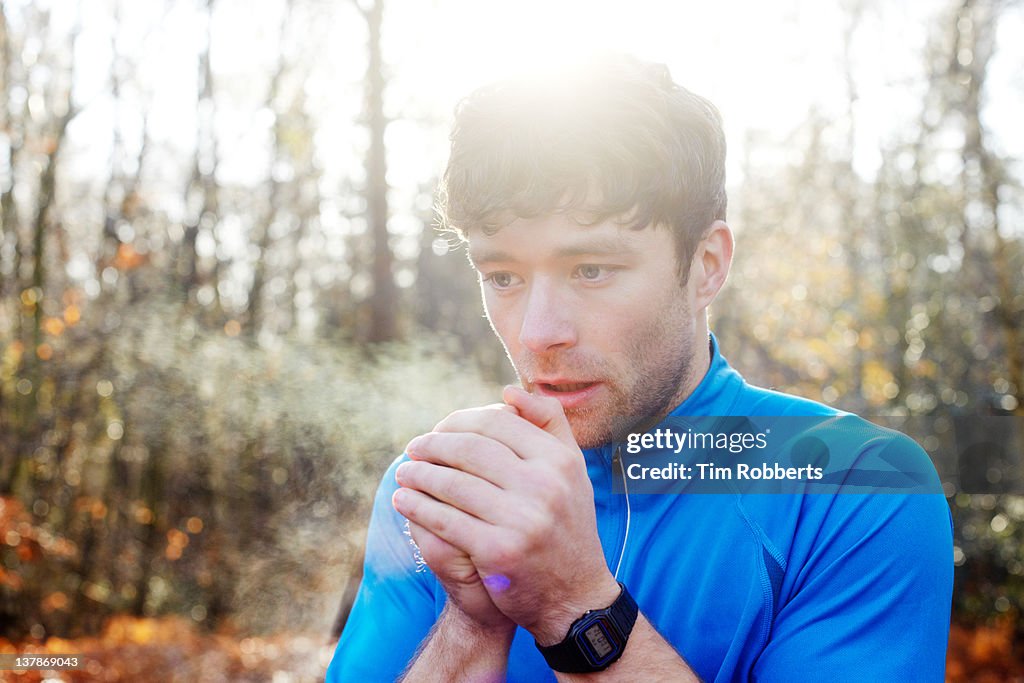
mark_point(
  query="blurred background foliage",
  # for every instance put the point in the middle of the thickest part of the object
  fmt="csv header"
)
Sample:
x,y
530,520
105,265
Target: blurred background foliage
x,y
224,311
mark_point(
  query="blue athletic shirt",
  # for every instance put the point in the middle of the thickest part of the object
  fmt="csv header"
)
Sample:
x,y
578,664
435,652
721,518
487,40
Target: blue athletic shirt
x,y
783,587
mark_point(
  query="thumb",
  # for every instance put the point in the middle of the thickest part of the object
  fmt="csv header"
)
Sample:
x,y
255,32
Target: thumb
x,y
543,411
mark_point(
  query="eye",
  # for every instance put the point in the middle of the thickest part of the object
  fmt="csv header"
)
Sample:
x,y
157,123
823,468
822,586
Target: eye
x,y
591,272
501,280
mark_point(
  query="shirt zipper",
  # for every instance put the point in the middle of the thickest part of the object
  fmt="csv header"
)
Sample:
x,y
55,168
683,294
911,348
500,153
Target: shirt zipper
x,y
617,461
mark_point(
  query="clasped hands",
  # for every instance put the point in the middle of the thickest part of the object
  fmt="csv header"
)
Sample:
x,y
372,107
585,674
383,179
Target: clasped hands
x,y
500,504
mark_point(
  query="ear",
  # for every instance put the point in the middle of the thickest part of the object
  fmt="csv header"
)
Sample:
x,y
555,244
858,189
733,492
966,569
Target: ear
x,y
711,264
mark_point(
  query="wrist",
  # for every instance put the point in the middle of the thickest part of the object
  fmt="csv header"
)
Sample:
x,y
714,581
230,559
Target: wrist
x,y
460,648
554,625
468,629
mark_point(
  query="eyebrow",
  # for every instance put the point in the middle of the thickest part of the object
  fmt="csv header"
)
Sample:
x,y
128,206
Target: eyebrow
x,y
600,246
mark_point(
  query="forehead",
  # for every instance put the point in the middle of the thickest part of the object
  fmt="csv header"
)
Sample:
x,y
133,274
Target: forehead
x,y
560,236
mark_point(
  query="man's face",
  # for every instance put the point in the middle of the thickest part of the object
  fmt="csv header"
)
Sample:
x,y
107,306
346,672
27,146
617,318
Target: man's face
x,y
593,315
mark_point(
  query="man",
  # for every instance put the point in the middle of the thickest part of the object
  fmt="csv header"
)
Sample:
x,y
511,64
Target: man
x,y
593,206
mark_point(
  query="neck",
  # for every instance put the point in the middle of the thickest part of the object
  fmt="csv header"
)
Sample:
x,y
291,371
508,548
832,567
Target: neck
x,y
699,362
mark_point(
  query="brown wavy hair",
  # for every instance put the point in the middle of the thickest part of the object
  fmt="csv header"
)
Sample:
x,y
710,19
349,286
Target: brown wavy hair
x,y
613,139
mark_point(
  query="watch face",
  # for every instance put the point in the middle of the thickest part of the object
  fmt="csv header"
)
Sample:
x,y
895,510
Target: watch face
x,y
599,640
600,644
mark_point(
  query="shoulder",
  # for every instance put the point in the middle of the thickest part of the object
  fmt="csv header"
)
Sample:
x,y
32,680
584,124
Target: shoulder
x,y
872,478
855,451
755,400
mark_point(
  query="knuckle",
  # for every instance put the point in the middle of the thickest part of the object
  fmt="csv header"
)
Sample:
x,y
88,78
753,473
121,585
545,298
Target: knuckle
x,y
456,447
507,551
547,492
441,525
451,488
551,478
569,469
537,521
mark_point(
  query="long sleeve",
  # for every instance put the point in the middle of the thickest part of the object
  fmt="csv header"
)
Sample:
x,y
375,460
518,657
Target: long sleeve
x,y
395,606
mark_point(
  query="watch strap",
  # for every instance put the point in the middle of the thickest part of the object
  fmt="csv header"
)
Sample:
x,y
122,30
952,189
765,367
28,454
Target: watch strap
x,y
613,623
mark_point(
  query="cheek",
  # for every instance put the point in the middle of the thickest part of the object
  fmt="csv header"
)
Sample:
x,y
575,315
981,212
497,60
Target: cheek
x,y
660,333
505,322
635,320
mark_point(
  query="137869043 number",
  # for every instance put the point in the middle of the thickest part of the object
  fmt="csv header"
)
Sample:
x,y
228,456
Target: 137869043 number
x,y
40,661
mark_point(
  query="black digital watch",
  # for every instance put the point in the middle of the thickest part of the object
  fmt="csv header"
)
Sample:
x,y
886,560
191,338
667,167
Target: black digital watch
x,y
595,640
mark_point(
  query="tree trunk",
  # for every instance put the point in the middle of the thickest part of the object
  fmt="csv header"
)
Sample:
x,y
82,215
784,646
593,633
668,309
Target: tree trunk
x,y
383,301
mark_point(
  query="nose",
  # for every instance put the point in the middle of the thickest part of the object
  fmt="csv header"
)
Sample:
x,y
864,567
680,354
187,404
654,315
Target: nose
x,y
548,323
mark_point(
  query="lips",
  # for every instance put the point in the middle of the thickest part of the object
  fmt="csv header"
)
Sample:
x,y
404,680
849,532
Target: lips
x,y
566,386
570,393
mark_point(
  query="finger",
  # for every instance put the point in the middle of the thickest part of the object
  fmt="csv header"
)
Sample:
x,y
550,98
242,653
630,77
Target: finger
x,y
445,560
543,411
464,531
491,407
466,451
467,492
432,547
422,537
519,435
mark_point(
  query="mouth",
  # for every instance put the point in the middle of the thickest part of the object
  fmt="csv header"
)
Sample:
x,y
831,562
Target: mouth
x,y
571,394
565,387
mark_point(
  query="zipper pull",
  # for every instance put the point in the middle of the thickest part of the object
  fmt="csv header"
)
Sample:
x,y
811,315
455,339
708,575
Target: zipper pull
x,y
618,471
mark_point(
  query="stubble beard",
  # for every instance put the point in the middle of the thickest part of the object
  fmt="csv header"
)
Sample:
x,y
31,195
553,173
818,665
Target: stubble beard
x,y
659,376
658,370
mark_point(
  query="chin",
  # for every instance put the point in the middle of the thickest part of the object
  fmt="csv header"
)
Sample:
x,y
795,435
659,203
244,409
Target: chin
x,y
589,432
592,442
596,426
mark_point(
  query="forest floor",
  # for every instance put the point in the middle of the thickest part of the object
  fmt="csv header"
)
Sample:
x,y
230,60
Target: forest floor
x,y
173,649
